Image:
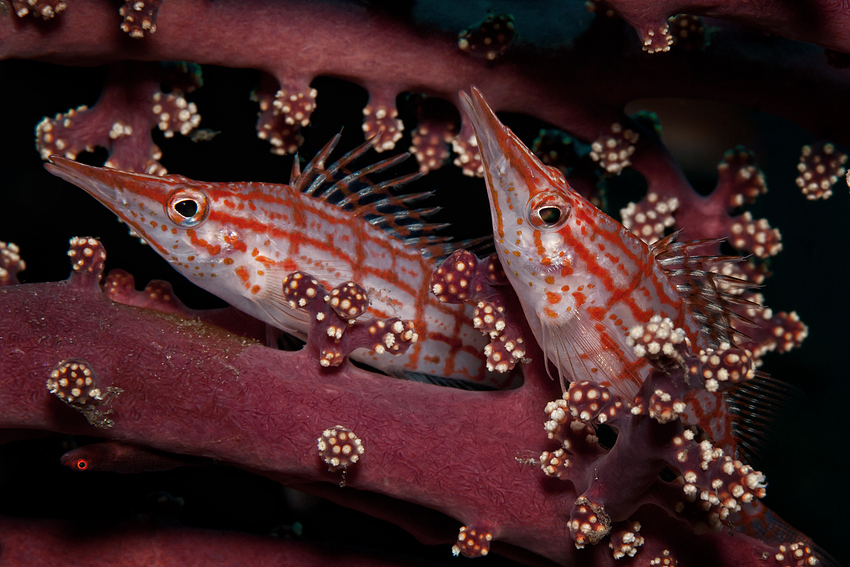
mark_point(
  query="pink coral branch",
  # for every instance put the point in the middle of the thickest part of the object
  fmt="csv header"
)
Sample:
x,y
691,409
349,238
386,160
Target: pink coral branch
x,y
121,121
450,451
433,64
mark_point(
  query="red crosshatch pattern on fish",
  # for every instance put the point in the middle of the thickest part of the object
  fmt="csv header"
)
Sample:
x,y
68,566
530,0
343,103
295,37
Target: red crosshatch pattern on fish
x,y
584,280
239,240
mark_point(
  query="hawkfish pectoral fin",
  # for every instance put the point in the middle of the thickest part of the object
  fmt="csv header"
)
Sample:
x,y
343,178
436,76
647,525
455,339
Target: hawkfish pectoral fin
x,y
567,353
271,300
581,351
286,318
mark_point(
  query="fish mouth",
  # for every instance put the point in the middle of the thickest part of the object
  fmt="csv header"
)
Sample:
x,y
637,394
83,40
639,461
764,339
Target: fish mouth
x,y
101,183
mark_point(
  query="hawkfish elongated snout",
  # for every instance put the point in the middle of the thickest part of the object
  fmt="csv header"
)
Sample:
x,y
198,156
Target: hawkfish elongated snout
x,y
514,174
149,204
109,186
100,183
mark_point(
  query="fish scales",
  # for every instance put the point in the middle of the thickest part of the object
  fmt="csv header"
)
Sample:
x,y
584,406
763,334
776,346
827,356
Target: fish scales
x,y
582,278
238,241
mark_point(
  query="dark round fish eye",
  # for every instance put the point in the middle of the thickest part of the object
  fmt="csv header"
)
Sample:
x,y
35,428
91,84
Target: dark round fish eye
x,y
548,210
550,215
187,208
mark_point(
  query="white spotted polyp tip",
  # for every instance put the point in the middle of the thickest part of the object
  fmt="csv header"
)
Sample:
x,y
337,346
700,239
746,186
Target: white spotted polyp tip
x,y
472,542
75,382
87,255
339,448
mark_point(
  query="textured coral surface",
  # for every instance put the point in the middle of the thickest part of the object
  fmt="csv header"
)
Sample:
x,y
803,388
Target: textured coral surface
x,y
804,461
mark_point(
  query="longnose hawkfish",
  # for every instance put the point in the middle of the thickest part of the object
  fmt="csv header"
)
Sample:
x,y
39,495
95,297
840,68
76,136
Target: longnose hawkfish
x,y
583,279
239,240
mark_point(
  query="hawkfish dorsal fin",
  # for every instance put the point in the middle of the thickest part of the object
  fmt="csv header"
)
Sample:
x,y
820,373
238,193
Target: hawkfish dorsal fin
x,y
352,190
708,294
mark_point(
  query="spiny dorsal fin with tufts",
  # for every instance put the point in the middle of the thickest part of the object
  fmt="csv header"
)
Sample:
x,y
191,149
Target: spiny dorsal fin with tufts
x,y
352,190
699,286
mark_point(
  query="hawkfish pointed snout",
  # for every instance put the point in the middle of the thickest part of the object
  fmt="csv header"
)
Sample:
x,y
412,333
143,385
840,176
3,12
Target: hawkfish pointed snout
x,y
117,190
94,180
102,183
514,174
502,152
105,184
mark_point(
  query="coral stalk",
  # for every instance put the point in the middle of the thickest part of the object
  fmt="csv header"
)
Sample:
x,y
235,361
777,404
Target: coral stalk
x,y
226,398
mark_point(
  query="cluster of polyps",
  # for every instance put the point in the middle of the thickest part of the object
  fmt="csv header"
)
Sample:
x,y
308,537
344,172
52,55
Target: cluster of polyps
x,y
75,382
651,217
10,263
472,542
339,448
820,167
87,255
381,124
712,486
461,278
490,38
283,113
139,17
613,151
334,329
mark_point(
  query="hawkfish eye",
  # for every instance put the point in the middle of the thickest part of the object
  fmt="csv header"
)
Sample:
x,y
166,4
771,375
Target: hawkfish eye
x,y
550,215
187,207
548,211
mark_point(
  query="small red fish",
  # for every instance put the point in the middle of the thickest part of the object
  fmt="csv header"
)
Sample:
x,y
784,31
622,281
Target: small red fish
x,y
117,457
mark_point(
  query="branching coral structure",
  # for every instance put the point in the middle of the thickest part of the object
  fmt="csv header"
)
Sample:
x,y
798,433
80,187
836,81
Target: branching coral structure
x,y
131,384
221,378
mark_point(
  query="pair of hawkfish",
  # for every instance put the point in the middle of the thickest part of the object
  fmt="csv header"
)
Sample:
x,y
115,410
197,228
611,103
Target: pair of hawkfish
x,y
582,278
